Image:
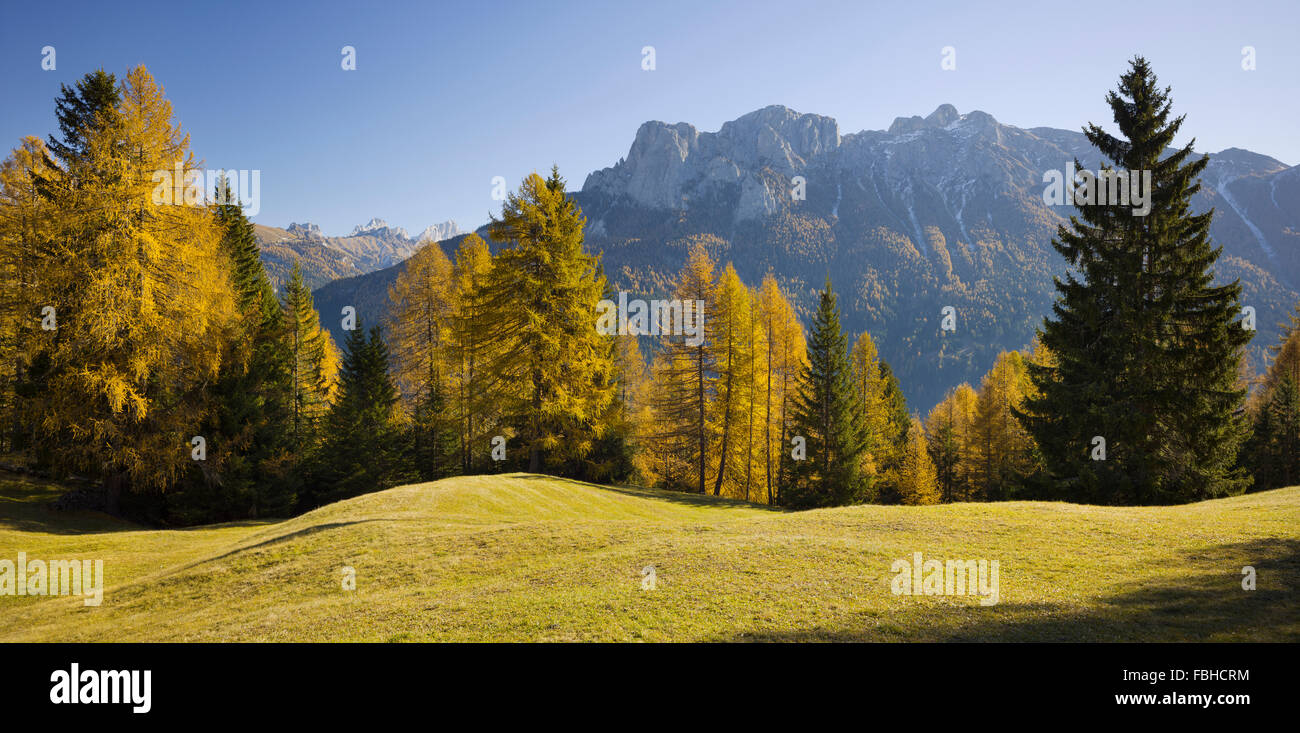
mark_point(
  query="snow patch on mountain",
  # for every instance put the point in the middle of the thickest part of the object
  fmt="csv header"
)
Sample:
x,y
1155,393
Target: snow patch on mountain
x,y
378,227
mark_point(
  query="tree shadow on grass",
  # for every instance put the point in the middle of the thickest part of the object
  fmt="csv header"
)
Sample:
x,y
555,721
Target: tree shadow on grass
x,y
676,497
287,537
1204,605
25,507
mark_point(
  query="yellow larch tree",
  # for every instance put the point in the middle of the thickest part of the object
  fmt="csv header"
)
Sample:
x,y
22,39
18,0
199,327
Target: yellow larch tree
x,y
24,226
421,309
684,375
470,349
916,477
949,429
555,368
869,388
143,296
783,358
1001,452
728,328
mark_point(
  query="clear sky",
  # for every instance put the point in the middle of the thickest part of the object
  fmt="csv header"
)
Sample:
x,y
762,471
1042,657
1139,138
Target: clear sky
x,y
447,95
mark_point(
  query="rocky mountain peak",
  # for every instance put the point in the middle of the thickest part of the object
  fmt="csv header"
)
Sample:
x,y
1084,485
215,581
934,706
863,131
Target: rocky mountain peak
x,y
378,227
942,116
666,160
305,230
440,231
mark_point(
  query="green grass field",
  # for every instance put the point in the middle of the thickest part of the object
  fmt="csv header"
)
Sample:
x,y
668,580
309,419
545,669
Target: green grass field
x,y
530,558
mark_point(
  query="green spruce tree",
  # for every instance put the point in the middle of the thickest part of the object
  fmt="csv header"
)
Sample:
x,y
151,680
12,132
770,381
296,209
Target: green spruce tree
x,y
433,438
1147,348
828,416
1273,451
362,448
250,471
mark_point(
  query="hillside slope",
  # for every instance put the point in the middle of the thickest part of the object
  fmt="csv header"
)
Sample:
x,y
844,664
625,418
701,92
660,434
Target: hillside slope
x,y
524,557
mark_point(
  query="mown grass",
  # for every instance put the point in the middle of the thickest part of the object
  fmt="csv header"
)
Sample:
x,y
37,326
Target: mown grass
x,y
522,557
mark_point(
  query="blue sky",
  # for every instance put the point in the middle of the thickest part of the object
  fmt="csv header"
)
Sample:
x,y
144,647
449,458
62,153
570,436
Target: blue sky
x,y
448,95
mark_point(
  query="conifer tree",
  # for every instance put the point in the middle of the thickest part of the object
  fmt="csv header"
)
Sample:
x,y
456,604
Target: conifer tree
x,y
783,364
25,215
1146,348
250,470
733,353
143,297
948,429
917,482
1001,451
470,349
613,456
892,442
83,110
829,417
313,362
684,374
1272,453
554,372
635,388
361,451
420,320
755,407
879,406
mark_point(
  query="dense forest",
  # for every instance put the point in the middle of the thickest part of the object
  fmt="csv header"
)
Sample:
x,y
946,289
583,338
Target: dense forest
x,y
146,354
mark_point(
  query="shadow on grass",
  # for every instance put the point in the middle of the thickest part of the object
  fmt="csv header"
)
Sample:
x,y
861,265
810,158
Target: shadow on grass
x,y
25,507
676,497
297,534
1202,606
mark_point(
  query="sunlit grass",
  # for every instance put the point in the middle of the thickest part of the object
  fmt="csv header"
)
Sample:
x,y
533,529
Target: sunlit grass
x,y
522,557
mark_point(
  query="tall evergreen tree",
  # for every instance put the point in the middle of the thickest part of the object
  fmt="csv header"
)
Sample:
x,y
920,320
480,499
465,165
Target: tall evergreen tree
x,y
361,451
82,110
1146,348
890,446
828,416
313,362
1274,448
250,471
434,439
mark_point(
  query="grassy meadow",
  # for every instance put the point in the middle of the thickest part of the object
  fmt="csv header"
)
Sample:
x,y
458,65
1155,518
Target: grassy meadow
x,y
520,557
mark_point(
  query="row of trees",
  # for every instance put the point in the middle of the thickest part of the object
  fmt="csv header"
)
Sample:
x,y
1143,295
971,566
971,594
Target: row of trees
x,y
714,415
143,346
1272,452
500,352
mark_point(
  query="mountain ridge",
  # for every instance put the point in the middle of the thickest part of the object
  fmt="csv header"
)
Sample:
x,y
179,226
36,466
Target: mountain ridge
x,y
946,209
369,247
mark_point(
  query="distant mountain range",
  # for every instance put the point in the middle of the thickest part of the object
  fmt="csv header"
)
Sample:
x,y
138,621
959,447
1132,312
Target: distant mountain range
x,y
941,210
371,246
